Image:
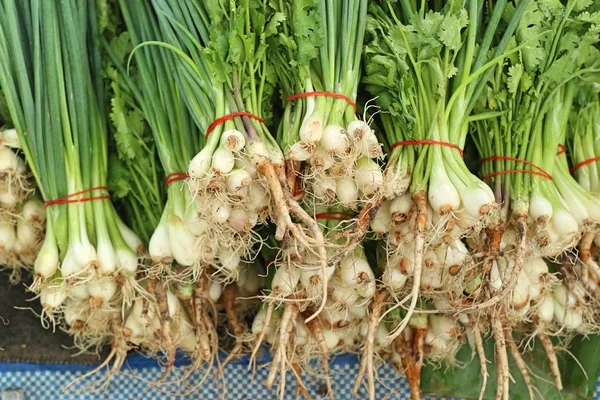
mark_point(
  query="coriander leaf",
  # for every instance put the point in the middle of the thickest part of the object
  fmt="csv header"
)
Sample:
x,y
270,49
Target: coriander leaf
x,y
128,125
515,73
550,7
430,25
121,45
307,35
236,49
119,177
528,33
580,5
593,18
450,30
271,29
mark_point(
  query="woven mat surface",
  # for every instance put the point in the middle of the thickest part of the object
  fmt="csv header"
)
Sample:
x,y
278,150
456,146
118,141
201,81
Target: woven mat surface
x,y
45,381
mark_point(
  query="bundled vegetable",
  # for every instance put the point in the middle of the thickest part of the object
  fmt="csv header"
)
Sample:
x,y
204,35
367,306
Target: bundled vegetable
x,y
177,237
86,269
582,149
328,169
238,178
427,67
523,151
173,239
331,155
187,250
22,215
527,107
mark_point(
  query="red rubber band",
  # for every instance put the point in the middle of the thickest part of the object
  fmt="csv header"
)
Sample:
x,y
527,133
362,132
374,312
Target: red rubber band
x,y
68,199
176,176
562,150
227,117
427,142
328,94
334,216
539,171
517,171
584,162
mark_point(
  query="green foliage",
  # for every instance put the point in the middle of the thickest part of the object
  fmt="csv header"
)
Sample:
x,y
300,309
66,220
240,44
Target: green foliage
x,y
134,177
579,371
298,44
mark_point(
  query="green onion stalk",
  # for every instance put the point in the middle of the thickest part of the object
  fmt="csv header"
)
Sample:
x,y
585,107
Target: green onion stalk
x,y
238,178
331,154
427,66
50,74
5,117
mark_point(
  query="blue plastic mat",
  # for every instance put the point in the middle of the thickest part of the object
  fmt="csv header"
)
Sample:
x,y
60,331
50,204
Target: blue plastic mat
x,y
46,381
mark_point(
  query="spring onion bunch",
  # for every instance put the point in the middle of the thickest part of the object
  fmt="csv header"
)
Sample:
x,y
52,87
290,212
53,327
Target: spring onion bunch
x,y
158,323
86,269
534,94
582,150
313,61
177,237
427,67
226,80
201,264
526,163
182,305
331,154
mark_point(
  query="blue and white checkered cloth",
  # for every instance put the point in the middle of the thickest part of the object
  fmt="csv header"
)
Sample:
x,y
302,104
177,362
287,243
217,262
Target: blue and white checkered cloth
x,y
46,381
